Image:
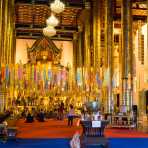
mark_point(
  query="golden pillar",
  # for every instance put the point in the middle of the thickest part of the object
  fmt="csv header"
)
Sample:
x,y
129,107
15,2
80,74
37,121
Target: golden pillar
x,y
1,16
127,53
96,33
108,50
7,32
75,58
7,40
87,36
96,38
140,47
147,45
86,51
77,52
147,34
79,55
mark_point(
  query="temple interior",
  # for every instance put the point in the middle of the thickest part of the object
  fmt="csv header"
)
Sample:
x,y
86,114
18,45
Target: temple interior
x,y
88,54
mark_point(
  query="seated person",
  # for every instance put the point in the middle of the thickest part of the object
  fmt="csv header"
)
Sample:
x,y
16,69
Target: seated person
x,y
41,116
29,118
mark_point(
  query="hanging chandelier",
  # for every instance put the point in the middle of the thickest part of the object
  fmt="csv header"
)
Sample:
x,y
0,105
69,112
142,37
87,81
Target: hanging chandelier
x,y
49,31
52,21
57,6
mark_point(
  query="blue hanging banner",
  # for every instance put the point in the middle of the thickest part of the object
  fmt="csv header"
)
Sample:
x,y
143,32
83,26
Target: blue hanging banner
x,y
7,74
44,74
49,75
79,76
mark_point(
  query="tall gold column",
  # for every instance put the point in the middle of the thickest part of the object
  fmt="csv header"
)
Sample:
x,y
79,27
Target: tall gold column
x,y
79,55
96,33
108,49
127,52
7,41
140,48
7,28
1,10
1,28
87,36
147,45
75,53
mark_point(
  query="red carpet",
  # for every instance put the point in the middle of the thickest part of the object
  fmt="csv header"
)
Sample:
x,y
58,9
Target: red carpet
x,y
124,133
47,129
59,129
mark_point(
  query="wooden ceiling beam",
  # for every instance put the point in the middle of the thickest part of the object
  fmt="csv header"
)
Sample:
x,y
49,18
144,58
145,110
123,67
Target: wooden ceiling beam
x,y
138,14
135,18
37,37
21,29
135,12
47,6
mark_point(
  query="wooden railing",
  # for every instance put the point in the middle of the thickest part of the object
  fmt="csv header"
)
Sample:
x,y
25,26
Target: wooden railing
x,y
122,121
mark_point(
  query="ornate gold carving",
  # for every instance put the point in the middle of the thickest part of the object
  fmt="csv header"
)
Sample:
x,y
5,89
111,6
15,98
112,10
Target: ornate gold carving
x,y
43,51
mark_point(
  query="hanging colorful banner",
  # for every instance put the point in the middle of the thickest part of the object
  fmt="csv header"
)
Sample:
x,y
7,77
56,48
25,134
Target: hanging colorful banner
x,y
106,78
79,76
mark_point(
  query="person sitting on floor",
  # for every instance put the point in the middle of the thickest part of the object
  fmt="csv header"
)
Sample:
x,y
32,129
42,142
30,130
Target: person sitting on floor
x,y
29,118
41,116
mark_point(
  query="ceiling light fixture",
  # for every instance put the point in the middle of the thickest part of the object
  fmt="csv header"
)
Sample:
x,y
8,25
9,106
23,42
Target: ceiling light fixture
x,y
52,21
57,6
49,31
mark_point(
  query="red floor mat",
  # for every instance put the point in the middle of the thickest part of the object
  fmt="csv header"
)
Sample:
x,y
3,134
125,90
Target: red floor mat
x,y
59,129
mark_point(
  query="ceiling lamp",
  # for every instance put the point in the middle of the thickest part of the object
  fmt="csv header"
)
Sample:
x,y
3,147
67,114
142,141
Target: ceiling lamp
x,y
57,6
52,21
49,31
